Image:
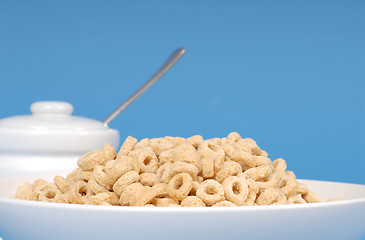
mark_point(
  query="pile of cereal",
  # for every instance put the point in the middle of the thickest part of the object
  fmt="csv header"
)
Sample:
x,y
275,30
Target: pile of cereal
x,y
174,172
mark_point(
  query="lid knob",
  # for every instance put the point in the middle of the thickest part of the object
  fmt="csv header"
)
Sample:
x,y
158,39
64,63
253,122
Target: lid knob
x,y
51,108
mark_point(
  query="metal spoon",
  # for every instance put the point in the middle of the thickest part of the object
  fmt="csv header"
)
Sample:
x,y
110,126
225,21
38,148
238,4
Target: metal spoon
x,y
174,57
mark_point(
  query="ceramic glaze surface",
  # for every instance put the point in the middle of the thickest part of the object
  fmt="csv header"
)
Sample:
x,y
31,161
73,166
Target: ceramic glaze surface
x,y
52,116
341,220
50,139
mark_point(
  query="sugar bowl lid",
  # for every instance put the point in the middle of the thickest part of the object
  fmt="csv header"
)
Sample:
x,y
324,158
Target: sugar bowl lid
x,y
52,129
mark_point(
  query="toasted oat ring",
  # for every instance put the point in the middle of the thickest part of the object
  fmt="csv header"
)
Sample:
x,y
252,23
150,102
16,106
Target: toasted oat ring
x,y
248,145
236,167
120,167
301,188
186,153
271,181
209,147
230,168
208,167
89,160
251,144
290,184
311,197
79,192
235,190
279,165
192,201
216,141
263,153
282,199
179,186
145,142
224,203
124,181
215,145
243,175
109,164
129,192
145,159
159,145
110,197
143,197
39,188
261,160
109,152
296,199
167,156
98,199
195,140
161,190
183,167
210,192
61,183
83,175
164,172
101,177
129,160
104,198
253,190
233,137
214,152
176,141
238,155
70,177
26,192
267,197
243,144
165,202
65,198
95,187
39,182
259,173
149,179
245,157
219,160
50,195
127,146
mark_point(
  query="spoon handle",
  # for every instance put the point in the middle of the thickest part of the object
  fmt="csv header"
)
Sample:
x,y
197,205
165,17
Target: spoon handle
x,y
175,56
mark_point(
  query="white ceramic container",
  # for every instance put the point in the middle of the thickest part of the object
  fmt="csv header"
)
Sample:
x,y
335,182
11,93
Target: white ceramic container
x,y
49,140
340,220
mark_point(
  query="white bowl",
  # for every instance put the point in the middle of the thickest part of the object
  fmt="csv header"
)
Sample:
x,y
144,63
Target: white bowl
x,y
20,219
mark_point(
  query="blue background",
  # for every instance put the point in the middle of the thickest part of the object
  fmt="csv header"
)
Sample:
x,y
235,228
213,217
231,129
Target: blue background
x,y
289,74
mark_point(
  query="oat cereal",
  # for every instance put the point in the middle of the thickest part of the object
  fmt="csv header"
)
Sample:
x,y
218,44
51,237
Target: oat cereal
x,y
175,172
